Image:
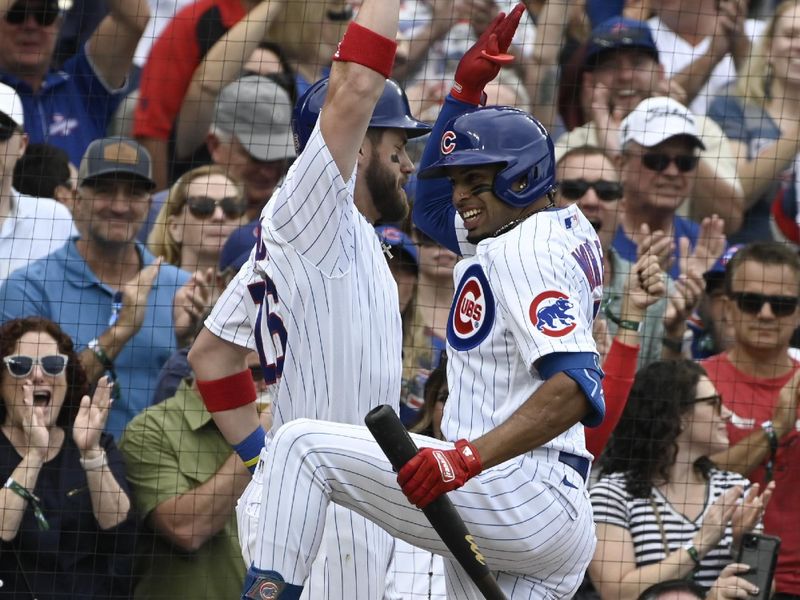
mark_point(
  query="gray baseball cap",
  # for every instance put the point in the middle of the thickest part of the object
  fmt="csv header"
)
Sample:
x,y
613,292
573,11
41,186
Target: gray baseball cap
x,y
258,112
116,155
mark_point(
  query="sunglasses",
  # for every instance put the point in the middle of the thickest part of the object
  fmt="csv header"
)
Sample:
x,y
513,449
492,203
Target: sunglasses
x,y
656,161
575,189
752,303
715,401
202,207
44,15
20,365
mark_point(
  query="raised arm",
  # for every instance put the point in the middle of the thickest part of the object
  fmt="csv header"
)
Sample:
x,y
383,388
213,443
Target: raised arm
x,y
222,64
114,42
360,68
433,211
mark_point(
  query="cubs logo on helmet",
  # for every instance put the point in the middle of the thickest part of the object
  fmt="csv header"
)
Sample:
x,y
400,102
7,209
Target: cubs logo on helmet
x,y
472,312
550,313
448,142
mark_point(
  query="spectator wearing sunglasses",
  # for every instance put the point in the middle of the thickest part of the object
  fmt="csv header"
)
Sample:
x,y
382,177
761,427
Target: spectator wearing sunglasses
x,y
65,509
659,168
112,296
663,509
621,69
185,482
30,227
72,106
201,211
759,380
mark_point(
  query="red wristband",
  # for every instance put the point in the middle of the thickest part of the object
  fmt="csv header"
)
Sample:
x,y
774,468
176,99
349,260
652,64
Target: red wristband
x,y
365,47
229,392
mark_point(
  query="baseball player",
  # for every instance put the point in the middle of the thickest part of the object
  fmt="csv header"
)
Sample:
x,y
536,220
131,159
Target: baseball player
x,y
317,299
522,372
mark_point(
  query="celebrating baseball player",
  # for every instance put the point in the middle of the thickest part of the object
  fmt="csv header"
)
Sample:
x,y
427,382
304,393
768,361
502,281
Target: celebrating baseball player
x,y
522,371
317,299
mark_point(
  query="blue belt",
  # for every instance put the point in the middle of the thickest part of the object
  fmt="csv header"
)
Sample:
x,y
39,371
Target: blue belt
x,y
580,463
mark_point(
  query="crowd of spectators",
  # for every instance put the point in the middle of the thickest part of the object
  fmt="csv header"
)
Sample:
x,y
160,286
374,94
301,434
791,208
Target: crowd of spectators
x,y
138,148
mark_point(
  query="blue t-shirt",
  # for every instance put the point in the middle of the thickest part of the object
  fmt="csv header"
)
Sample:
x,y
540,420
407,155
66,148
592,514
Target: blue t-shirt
x,y
682,227
72,108
753,127
62,288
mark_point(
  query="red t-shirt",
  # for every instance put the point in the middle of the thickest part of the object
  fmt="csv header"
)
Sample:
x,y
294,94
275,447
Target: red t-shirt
x,y
752,401
173,59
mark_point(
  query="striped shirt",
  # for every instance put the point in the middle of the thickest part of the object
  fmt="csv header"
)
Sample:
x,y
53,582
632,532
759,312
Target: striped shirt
x,y
613,505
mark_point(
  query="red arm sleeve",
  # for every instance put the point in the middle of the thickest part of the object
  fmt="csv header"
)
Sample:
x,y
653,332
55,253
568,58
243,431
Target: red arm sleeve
x,y
620,369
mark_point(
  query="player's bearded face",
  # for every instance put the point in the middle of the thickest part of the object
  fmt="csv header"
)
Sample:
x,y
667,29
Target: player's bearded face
x,y
386,188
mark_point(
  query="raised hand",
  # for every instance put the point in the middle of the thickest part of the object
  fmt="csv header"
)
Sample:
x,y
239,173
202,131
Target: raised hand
x,y
134,297
91,418
191,303
749,513
34,426
716,520
482,62
709,246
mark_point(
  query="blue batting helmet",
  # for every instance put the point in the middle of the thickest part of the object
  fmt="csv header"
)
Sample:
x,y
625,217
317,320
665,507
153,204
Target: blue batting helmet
x,y
392,111
500,135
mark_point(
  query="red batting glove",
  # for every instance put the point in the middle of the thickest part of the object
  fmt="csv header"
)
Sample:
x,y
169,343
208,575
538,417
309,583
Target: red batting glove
x,y
482,62
432,472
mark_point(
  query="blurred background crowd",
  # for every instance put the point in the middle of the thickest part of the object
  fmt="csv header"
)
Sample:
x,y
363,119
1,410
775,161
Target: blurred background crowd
x,y
139,142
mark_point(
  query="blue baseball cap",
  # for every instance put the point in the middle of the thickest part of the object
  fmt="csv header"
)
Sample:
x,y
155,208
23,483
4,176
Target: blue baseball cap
x,y
238,246
396,238
716,274
618,33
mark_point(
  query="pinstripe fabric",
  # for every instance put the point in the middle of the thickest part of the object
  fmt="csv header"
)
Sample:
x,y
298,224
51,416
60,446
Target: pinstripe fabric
x,y
525,520
318,301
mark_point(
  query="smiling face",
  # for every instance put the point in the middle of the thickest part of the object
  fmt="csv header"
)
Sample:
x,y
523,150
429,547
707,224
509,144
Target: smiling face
x,y
474,199
111,211
630,74
48,391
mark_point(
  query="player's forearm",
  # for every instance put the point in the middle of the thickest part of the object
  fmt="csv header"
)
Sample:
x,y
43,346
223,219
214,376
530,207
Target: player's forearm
x,y
555,407
191,519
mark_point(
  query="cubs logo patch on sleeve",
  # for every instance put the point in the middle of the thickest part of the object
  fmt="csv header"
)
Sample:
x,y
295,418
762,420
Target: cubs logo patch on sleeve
x,y
550,313
472,311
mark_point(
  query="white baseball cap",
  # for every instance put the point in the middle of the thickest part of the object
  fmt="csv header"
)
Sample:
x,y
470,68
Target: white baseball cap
x,y
11,105
658,119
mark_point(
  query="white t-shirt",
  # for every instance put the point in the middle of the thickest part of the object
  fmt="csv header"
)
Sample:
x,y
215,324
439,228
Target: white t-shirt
x,y
34,228
675,54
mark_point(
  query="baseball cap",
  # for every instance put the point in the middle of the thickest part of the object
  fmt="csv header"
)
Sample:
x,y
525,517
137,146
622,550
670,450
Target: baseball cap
x,y
618,33
259,113
11,105
716,274
238,246
655,120
397,239
115,155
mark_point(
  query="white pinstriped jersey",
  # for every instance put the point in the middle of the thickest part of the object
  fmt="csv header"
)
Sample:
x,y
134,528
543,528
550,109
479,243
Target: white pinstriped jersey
x,y
530,292
317,299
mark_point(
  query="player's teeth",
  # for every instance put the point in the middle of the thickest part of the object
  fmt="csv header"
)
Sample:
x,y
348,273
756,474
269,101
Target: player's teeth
x,y
470,214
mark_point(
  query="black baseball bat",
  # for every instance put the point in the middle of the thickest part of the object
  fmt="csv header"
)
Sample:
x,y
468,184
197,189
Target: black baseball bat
x,y
397,445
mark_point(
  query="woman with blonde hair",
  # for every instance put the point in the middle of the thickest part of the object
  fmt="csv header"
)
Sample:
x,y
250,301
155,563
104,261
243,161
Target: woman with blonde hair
x,y
203,208
761,118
